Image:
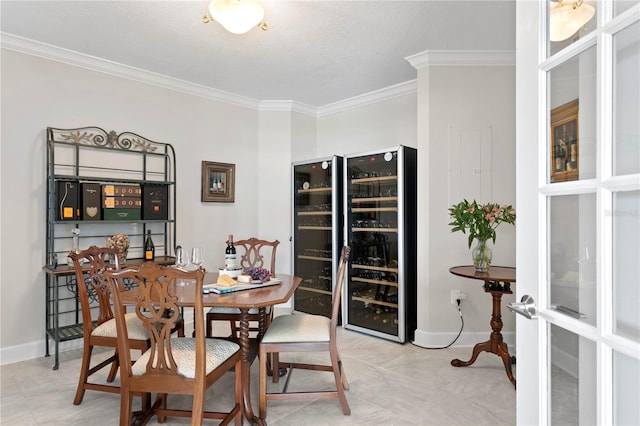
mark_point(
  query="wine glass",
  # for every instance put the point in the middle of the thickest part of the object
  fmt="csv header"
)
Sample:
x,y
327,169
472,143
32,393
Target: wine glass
x,y
196,257
182,260
181,257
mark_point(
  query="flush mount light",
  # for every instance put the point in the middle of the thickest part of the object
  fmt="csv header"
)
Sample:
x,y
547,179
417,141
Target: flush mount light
x,y
566,18
236,16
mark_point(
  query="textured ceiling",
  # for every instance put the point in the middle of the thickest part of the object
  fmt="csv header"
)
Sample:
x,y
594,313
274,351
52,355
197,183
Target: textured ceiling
x,y
315,52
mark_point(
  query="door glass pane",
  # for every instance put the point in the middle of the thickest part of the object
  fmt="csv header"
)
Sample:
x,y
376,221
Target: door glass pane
x,y
314,238
620,6
572,375
572,249
569,20
626,154
572,117
373,296
626,390
626,268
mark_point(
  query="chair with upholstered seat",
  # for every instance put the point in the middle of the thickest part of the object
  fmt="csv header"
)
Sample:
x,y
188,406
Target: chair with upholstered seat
x,y
305,333
253,256
98,324
185,366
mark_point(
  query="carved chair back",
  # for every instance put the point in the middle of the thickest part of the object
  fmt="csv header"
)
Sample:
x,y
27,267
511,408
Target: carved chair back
x,y
254,254
91,283
158,310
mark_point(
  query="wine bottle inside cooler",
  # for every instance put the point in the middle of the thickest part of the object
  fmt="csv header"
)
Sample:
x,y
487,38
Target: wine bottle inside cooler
x,y
230,260
149,248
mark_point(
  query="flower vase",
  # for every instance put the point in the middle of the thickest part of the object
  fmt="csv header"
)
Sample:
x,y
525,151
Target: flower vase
x,y
120,242
481,255
122,255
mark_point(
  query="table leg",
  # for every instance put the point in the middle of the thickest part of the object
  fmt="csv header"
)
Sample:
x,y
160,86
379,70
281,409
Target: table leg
x,y
480,347
246,369
503,352
262,322
495,344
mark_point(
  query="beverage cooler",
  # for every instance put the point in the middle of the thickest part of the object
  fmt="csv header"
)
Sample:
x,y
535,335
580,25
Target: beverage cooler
x,y
317,230
380,222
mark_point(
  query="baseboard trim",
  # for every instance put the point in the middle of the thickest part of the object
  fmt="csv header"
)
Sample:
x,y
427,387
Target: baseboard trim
x,y
33,350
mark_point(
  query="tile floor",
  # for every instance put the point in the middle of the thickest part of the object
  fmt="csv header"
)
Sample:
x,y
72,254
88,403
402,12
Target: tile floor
x,y
390,384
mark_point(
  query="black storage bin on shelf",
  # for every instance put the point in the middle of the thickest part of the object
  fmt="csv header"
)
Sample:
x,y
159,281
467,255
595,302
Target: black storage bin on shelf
x,y
67,200
155,201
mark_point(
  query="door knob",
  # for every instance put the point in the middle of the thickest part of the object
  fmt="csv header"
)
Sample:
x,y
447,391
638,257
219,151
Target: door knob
x,y
526,307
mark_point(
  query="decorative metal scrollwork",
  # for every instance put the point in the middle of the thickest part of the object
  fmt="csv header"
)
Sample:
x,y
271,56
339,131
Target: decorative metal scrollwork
x,y
126,141
72,287
492,285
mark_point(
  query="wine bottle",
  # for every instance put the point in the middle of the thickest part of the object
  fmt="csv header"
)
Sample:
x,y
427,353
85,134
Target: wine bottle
x,y
149,248
230,261
75,232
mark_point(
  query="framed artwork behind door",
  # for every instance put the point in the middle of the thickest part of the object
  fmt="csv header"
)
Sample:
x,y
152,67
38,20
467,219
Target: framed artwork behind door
x,y
565,144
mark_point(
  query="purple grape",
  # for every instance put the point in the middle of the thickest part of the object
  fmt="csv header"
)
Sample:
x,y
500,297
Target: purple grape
x,y
260,274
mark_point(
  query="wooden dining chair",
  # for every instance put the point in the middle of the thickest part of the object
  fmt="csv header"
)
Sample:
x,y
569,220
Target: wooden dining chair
x,y
186,366
98,323
253,256
305,333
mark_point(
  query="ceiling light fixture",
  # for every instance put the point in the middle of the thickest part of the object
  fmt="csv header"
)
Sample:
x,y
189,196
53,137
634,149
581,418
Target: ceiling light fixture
x,y
567,18
236,16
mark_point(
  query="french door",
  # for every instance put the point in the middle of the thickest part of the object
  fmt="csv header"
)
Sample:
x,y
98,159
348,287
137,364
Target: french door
x,y
578,233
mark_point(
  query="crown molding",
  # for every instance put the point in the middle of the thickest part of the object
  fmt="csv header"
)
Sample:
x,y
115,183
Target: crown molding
x,y
462,58
387,93
419,60
70,57
289,106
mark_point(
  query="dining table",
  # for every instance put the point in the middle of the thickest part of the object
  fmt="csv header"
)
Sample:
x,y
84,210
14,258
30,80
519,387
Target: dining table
x,y
259,297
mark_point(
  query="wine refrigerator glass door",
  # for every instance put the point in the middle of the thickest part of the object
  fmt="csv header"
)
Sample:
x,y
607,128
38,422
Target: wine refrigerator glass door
x,y
379,294
317,232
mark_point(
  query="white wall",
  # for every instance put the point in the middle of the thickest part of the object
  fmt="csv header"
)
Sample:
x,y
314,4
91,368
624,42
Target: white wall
x,y
37,93
275,186
471,154
371,127
304,133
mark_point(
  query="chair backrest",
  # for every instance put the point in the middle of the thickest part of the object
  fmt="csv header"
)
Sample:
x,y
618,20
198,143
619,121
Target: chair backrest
x,y
253,256
158,310
91,283
337,291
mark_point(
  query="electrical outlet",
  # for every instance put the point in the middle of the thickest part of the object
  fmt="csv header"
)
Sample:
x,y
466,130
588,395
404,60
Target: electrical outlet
x,y
457,295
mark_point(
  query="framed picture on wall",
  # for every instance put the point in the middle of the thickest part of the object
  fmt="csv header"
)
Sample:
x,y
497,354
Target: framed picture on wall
x,y
565,144
218,182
